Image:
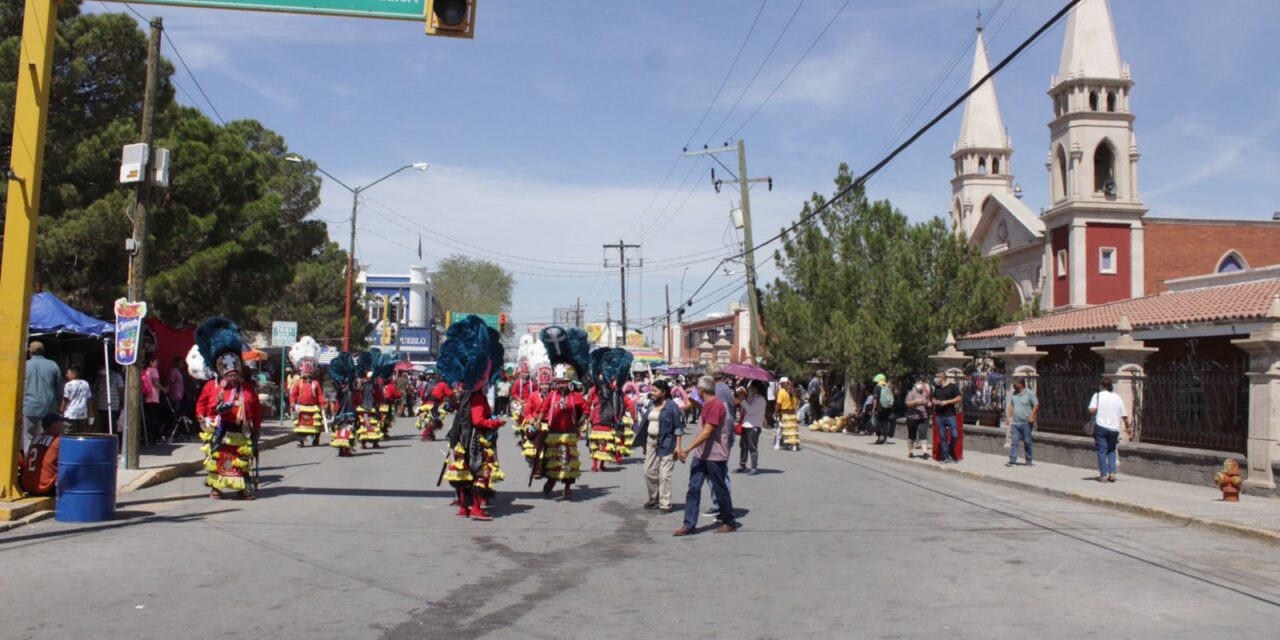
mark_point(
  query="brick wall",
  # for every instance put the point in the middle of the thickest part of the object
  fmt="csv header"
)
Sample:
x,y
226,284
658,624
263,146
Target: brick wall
x,y
1181,248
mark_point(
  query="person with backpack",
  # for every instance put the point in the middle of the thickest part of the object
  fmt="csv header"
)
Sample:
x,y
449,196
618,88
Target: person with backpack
x,y
885,426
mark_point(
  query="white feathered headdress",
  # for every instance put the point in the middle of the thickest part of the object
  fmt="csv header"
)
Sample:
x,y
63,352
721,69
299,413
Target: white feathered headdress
x,y
196,365
303,354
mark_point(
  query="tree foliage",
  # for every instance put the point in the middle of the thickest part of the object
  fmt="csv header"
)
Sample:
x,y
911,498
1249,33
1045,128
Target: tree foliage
x,y
870,292
230,236
473,285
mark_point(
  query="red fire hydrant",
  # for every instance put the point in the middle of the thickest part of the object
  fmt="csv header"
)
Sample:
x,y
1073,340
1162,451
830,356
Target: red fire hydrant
x,y
1229,480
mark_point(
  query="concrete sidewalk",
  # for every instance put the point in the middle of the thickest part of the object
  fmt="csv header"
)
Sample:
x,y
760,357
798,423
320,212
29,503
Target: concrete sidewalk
x,y
1254,516
158,463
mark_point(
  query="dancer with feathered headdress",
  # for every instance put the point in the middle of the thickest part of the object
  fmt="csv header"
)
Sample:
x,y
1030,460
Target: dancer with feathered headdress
x,y
306,395
471,357
610,410
561,412
342,371
389,395
368,399
228,411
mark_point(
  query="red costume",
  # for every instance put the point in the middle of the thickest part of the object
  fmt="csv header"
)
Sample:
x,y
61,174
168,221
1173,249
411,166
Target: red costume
x,y
306,397
239,423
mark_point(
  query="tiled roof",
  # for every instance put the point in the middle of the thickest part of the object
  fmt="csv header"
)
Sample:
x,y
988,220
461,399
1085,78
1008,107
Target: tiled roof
x,y
1245,301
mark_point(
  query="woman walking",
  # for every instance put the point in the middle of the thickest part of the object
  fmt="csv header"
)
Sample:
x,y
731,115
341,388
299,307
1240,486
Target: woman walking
x,y
787,404
659,434
1108,411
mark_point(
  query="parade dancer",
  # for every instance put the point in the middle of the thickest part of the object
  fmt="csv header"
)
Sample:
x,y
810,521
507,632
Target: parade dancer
x,y
563,410
306,395
342,373
434,400
228,411
610,367
367,400
533,416
472,357
390,394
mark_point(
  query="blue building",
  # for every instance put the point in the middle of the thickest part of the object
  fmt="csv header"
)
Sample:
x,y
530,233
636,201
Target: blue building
x,y
404,312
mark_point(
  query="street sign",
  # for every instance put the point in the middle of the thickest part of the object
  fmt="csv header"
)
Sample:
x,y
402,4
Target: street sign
x,y
388,9
491,319
284,334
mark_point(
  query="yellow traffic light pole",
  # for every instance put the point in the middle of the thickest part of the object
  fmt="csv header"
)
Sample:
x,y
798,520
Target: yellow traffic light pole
x,y
22,212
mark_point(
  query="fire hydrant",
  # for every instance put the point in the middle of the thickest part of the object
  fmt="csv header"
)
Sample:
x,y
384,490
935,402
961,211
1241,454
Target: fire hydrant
x,y
1229,480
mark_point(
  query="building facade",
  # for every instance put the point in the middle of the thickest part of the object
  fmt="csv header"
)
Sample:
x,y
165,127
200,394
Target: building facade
x,y
1093,242
720,338
404,312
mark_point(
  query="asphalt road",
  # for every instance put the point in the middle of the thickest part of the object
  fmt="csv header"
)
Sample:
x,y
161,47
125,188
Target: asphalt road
x,y
832,545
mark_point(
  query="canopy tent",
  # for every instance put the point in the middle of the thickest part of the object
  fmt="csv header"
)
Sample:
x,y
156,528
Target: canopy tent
x,y
645,355
49,315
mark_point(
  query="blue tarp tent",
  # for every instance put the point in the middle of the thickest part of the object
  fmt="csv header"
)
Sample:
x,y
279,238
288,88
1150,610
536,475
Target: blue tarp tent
x,y
51,315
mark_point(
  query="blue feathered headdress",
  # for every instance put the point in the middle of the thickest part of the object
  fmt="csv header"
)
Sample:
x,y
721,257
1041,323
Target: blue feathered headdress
x,y
366,361
218,336
471,354
613,363
342,368
386,368
568,346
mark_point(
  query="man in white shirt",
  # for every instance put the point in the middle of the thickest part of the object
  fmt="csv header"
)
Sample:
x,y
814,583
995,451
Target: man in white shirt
x,y
75,402
1109,415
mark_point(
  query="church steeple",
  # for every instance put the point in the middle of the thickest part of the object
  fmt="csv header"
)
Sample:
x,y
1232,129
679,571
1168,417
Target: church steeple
x,y
1090,49
982,152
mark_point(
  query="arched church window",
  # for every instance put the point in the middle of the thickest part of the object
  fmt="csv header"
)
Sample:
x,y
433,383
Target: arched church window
x,y
1111,101
1231,263
1061,161
995,166
982,166
1093,100
1104,169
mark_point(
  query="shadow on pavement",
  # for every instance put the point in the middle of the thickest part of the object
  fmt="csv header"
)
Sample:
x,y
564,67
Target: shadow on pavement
x,y
270,492
132,503
123,519
580,494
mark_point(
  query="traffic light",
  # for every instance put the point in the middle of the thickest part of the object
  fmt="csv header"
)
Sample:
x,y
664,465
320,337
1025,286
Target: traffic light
x,y
502,323
451,18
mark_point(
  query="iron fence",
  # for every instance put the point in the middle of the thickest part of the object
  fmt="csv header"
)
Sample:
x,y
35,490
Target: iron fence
x,y
1193,403
984,397
1064,391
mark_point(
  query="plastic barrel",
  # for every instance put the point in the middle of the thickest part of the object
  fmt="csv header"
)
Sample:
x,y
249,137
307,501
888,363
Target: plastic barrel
x,y
86,478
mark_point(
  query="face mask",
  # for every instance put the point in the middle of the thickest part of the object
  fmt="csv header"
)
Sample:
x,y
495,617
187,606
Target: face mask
x,y
919,386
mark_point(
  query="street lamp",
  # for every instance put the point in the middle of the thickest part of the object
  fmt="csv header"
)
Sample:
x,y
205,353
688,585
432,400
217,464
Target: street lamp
x,y
351,250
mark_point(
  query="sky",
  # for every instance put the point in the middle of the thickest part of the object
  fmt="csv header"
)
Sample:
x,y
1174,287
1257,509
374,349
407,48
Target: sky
x,y
559,128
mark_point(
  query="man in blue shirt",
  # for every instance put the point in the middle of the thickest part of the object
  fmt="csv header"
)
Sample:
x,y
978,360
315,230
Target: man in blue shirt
x,y
1023,409
41,392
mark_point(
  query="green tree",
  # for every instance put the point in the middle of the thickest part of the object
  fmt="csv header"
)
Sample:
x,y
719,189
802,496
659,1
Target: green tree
x,y
473,285
230,236
866,290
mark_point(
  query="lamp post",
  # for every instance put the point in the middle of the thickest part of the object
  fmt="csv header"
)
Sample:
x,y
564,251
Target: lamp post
x,y
351,249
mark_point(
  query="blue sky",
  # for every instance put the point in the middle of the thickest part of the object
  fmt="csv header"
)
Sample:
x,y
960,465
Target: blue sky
x,y
551,132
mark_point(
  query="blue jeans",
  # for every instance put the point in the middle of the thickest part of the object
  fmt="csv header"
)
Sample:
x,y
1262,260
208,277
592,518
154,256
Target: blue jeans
x,y
728,485
701,471
948,432
1106,441
1019,433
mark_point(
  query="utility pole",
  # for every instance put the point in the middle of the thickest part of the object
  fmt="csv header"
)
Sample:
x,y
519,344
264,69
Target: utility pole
x,y
622,271
138,261
666,327
608,323
744,188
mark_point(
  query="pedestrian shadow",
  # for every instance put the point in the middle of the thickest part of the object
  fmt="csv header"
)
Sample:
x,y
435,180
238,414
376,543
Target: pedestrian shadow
x,y
580,494
762,472
347,491
289,466
508,510
134,503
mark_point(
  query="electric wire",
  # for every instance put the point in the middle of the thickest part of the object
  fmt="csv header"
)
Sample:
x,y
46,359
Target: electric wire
x,y
165,34
862,179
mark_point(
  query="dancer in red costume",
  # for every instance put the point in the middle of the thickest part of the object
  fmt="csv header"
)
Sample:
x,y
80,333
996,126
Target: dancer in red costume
x,y
228,411
472,357
306,397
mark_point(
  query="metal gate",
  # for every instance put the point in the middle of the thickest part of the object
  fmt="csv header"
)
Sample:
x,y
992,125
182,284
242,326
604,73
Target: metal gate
x,y
1064,390
1195,403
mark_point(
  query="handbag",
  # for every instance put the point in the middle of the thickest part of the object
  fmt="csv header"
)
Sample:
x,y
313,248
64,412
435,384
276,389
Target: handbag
x,y
737,429
1089,426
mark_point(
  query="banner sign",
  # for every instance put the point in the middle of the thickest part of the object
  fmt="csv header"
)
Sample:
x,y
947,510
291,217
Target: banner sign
x,y
388,9
284,334
129,317
415,338
491,319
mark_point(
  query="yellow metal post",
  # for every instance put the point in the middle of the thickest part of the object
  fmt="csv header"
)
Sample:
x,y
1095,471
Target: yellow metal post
x,y
22,212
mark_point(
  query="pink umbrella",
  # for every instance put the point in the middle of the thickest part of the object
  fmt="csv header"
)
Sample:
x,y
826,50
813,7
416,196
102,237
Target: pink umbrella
x,y
404,365
748,371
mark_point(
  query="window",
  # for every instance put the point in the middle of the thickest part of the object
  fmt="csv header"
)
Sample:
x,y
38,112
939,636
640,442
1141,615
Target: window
x,y
982,166
1093,100
995,166
1062,263
1104,169
1232,262
1062,173
1107,260
1111,101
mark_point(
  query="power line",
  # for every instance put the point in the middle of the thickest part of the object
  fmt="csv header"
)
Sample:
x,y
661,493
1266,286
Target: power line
x,y
792,69
755,75
178,54
861,180
727,74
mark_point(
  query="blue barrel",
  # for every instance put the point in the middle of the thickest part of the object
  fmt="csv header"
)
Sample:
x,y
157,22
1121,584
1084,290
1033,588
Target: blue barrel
x,y
86,478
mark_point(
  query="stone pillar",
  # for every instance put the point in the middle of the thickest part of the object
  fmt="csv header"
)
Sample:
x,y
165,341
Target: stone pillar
x,y
950,361
1078,269
1020,364
1263,348
1123,358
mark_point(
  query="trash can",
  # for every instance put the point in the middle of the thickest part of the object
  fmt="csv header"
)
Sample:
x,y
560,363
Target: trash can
x,y
86,478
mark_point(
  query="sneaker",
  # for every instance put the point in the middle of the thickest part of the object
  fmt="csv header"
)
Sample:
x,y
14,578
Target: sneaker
x,y
1010,464
651,505
753,472
1111,478
910,455
681,532
711,512
740,470
1030,464
665,510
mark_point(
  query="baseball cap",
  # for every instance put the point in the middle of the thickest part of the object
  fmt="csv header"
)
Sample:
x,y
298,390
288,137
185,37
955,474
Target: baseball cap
x,y
879,378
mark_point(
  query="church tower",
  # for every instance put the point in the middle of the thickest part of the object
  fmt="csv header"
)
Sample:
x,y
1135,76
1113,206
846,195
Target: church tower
x,y
981,154
1094,253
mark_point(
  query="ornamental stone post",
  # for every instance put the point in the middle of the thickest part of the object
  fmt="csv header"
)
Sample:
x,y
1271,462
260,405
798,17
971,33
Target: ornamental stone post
x,y
1263,348
950,361
1020,363
1122,360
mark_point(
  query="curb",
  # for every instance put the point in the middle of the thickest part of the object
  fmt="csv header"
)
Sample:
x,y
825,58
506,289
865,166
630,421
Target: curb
x,y
1254,533
39,509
